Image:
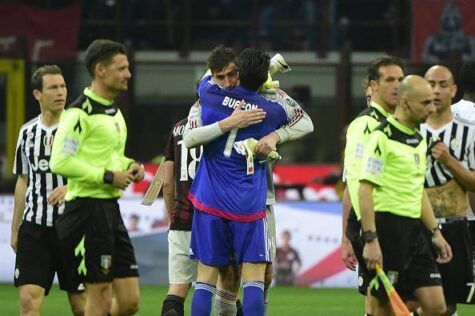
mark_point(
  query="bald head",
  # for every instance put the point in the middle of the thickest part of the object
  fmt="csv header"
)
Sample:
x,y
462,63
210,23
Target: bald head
x,y
413,86
439,71
415,100
441,80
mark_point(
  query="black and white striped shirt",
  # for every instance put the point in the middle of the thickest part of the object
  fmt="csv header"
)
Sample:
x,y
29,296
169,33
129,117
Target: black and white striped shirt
x,y
32,157
459,136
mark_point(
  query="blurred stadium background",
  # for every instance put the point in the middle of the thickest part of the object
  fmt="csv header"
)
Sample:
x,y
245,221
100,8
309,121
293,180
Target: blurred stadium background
x,y
328,44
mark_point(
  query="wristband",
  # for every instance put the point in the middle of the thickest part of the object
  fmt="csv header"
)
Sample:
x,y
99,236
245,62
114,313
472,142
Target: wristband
x,y
435,229
369,236
108,177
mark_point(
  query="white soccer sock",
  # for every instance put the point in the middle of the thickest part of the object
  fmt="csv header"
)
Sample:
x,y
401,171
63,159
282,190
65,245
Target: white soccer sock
x,y
266,296
225,303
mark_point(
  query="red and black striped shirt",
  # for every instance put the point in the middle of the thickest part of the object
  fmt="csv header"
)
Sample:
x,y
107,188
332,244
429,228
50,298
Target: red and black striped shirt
x,y
185,165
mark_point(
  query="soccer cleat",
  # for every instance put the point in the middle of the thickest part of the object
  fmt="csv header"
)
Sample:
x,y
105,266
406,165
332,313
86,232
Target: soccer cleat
x,y
278,64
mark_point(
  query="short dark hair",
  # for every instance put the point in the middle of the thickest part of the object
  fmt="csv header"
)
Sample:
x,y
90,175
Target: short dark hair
x,y
253,65
467,76
373,68
102,51
220,57
37,77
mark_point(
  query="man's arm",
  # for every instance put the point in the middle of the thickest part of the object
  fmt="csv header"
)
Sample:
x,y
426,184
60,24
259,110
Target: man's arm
x,y
428,218
300,124
372,251
169,176
464,176
196,134
18,208
371,176
56,196
169,187
347,252
69,139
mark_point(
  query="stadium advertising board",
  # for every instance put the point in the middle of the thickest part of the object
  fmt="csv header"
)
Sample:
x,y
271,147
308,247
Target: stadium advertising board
x,y
314,229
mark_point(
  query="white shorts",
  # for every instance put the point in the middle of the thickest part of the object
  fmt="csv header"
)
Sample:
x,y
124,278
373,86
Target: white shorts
x,y
271,230
181,269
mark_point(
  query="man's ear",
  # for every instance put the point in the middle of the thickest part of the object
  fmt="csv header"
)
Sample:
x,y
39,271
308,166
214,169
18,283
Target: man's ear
x,y
405,102
373,84
100,70
37,94
453,91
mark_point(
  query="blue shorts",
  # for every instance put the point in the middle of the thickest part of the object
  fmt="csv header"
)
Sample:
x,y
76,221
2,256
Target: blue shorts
x,y
216,241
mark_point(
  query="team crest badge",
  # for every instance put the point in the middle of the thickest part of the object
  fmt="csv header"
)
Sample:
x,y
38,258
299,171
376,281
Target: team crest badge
x,y
454,144
117,127
106,263
48,140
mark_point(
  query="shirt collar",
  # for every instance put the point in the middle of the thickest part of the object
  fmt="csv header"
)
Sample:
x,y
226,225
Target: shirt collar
x,y
379,108
400,126
88,92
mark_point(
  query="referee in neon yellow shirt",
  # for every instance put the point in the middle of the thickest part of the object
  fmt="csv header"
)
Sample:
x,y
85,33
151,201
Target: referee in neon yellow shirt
x,y
396,215
89,151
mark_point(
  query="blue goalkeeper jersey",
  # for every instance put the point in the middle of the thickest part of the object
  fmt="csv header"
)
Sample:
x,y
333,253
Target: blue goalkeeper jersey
x,y
222,186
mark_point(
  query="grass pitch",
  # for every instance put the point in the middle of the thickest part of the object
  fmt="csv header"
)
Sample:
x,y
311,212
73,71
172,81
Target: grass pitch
x,y
283,301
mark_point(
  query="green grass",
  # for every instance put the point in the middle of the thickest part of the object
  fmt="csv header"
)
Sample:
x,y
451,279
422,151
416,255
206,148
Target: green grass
x,y
283,301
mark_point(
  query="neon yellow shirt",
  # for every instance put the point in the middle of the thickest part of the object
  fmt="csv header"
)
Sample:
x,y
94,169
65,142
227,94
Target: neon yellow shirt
x,y
90,139
357,136
395,162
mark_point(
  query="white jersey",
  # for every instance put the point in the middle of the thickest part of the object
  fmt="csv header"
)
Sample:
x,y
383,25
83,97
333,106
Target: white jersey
x,y
32,158
459,136
464,110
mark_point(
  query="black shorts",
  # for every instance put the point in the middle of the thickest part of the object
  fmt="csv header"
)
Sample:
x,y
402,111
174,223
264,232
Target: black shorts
x,y
471,225
457,275
408,259
38,259
94,239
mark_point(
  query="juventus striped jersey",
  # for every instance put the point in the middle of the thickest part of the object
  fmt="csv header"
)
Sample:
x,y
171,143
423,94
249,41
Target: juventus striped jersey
x,y
32,158
459,136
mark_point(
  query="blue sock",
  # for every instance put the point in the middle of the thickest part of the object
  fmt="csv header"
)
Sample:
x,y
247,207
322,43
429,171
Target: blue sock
x,y
253,301
202,299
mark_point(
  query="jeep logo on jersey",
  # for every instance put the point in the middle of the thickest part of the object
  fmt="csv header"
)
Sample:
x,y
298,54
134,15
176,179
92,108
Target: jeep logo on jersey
x,y
41,164
232,103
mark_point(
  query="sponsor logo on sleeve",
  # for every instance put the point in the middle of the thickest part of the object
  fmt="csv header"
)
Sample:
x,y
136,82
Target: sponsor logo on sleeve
x,y
70,146
374,166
